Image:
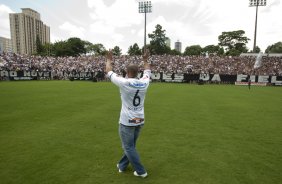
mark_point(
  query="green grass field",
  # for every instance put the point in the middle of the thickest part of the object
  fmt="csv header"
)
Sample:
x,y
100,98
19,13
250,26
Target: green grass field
x,y
62,132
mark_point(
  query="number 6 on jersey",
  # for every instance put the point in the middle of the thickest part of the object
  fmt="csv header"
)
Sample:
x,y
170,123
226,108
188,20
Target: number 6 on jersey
x,y
136,98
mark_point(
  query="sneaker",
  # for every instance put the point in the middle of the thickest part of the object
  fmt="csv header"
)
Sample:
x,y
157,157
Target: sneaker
x,y
140,175
119,169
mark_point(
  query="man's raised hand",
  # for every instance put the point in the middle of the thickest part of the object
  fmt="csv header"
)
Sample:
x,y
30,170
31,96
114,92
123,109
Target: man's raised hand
x,y
109,55
145,59
146,55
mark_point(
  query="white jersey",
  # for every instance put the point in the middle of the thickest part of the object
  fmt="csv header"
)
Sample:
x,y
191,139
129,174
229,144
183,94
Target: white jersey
x,y
132,93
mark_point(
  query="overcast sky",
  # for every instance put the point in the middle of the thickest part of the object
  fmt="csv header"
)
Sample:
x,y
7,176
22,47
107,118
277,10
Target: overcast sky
x,y
117,22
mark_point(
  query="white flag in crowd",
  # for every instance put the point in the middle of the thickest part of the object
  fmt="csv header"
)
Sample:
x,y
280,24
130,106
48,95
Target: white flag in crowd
x,y
258,61
207,55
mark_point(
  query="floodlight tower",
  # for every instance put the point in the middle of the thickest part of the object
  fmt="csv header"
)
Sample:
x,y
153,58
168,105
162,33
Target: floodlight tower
x,y
256,3
145,7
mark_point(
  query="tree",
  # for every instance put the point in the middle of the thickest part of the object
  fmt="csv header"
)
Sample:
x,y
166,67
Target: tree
x,y
233,42
71,47
88,45
193,50
220,51
213,49
39,46
116,51
48,49
175,52
134,50
275,48
76,46
257,50
233,52
97,49
61,49
158,41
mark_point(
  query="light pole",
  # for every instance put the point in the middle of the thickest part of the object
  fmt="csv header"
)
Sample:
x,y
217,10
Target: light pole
x,y
256,3
145,7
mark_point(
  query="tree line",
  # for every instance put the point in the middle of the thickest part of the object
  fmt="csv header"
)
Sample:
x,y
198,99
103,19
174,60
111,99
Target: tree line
x,y
231,43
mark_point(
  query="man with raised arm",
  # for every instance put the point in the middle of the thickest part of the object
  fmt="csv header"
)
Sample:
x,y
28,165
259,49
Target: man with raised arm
x,y
132,91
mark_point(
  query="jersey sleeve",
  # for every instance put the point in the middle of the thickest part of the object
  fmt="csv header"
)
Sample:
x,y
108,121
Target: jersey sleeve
x,y
119,81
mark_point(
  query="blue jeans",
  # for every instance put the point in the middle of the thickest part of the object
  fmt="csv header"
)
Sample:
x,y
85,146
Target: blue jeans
x,y
128,136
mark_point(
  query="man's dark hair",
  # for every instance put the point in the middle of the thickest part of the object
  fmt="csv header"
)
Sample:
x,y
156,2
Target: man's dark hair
x,y
133,70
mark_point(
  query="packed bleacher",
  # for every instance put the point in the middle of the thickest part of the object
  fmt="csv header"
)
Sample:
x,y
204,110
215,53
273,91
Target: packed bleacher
x,y
166,63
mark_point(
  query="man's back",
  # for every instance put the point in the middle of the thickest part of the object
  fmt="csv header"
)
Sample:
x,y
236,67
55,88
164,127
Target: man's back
x,y
133,93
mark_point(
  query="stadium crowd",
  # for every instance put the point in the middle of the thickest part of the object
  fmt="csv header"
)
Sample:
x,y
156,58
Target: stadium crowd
x,y
161,63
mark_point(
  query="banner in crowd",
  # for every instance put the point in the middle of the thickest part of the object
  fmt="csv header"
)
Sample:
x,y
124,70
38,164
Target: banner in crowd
x,y
47,75
218,78
162,77
24,75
